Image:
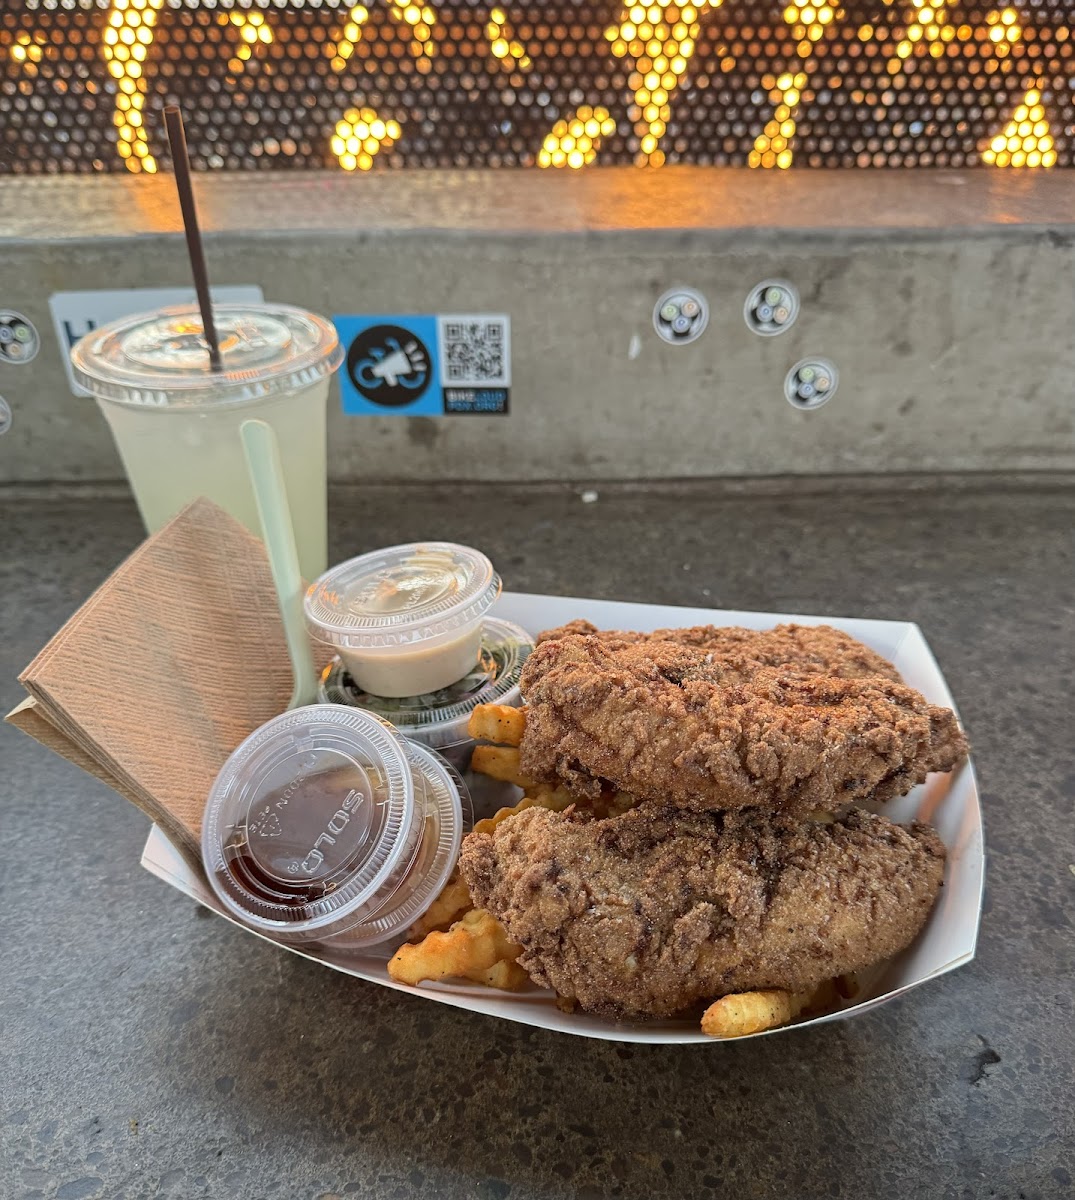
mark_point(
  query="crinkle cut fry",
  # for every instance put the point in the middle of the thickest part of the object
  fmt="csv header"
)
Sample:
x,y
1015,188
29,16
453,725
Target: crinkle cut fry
x,y
497,723
743,1013
472,949
500,762
454,900
740,1014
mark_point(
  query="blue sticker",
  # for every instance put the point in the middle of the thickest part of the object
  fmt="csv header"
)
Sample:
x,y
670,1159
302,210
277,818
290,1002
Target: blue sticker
x,y
391,366
425,365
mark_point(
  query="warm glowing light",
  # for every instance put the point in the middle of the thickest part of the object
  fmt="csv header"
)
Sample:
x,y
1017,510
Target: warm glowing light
x,y
502,42
342,50
1004,26
659,39
127,37
1018,145
654,41
1027,140
360,136
127,25
252,30
927,27
421,18
27,50
575,142
772,146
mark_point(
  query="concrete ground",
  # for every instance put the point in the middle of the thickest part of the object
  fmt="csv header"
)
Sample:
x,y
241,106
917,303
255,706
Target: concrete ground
x,y
149,1050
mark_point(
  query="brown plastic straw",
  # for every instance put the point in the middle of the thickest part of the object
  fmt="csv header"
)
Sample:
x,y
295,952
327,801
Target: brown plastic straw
x,y
177,141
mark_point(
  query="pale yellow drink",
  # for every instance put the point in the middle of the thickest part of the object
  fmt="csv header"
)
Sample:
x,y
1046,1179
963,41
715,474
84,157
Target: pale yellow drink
x,y
176,423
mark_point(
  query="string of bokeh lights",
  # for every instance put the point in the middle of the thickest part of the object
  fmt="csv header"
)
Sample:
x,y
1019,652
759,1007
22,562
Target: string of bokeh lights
x,y
655,41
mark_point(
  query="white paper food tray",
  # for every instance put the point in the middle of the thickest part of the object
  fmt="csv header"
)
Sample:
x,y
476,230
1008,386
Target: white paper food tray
x,y
948,802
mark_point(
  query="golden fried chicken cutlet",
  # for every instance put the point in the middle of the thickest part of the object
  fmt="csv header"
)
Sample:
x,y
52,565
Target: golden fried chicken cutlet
x,y
816,648
651,912
680,726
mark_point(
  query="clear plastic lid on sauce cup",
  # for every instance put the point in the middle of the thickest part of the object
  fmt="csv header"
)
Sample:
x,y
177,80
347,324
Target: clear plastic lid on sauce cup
x,y
444,813
439,719
326,826
405,620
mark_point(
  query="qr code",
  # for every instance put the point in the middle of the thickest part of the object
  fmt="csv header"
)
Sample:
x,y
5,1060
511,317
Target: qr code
x,y
474,350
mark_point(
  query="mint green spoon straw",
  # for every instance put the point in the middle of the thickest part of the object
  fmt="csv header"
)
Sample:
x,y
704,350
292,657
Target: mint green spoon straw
x,y
267,477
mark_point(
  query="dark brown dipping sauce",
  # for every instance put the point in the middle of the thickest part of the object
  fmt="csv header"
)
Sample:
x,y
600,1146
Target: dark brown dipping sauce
x,y
271,890
303,840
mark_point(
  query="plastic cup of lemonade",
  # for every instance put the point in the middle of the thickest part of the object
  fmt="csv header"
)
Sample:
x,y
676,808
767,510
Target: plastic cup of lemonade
x,y
176,422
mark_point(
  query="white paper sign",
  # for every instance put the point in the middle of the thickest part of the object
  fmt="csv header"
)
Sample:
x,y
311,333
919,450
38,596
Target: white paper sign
x,y
75,314
948,802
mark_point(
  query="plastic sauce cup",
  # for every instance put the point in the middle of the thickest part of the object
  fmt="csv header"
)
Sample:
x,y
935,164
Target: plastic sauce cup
x,y
176,422
405,620
326,827
439,719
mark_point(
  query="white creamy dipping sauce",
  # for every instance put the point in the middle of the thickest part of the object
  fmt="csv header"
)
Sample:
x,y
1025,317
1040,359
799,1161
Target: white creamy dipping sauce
x,y
407,619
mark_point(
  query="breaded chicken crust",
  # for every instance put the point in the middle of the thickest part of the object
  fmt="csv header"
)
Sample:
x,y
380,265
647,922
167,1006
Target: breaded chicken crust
x,y
646,914
819,648
681,726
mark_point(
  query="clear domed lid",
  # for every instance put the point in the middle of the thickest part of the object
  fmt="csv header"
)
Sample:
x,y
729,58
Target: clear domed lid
x,y
402,595
303,822
439,719
161,359
443,814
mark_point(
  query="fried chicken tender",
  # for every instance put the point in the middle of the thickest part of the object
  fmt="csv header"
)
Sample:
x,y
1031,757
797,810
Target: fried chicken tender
x,y
682,726
817,648
649,913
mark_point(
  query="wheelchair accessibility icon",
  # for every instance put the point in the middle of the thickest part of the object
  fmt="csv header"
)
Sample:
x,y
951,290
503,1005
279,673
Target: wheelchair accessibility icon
x,y
389,365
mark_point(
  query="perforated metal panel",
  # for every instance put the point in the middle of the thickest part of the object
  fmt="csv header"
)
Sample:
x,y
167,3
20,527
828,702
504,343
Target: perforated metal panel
x,y
315,83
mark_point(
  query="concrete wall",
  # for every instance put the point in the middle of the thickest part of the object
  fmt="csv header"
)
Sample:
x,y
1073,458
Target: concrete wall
x,y
944,298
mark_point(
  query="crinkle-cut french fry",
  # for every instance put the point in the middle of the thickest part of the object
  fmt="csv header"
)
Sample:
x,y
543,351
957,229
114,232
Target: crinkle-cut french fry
x,y
555,794
609,804
619,803
743,1013
468,950
554,799
753,1012
449,906
499,723
505,974
500,762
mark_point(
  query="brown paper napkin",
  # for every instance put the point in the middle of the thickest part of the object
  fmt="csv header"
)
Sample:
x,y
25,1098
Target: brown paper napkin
x,y
178,656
